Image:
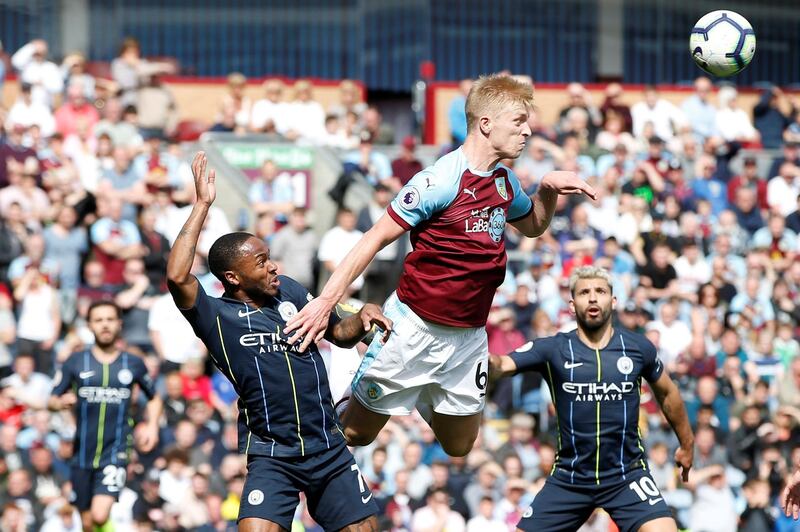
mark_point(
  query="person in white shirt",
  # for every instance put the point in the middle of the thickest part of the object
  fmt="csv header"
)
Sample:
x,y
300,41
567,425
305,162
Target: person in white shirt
x,y
783,189
733,123
437,515
307,117
699,110
665,117
28,112
172,337
692,268
270,114
675,335
485,520
336,244
26,386
44,76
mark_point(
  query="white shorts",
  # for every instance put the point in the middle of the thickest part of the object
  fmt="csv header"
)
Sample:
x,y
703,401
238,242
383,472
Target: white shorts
x,y
444,367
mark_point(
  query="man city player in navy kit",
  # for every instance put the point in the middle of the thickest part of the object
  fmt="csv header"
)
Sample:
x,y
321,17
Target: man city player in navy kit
x,y
595,374
287,425
99,382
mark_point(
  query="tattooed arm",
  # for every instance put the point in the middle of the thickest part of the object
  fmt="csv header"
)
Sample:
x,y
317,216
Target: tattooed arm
x,y
182,284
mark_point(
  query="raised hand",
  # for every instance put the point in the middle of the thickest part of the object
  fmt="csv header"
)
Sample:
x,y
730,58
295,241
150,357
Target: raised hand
x,y
790,498
204,183
567,183
310,323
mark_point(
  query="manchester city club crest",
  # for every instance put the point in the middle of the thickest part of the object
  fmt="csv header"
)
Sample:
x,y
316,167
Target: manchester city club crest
x,y
287,310
625,365
125,376
500,183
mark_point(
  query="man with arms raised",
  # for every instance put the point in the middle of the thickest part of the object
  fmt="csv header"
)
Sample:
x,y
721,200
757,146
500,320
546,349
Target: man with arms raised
x,y
287,425
456,210
595,374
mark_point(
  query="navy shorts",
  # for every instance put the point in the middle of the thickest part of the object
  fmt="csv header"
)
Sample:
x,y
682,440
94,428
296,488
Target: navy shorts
x,y
86,483
336,493
564,507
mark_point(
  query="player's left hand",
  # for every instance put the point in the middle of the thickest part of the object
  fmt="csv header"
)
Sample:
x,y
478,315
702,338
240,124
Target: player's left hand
x,y
372,315
684,458
310,323
148,437
567,183
790,498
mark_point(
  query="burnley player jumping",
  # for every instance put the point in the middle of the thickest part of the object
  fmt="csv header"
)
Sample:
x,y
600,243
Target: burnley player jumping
x,y
456,211
287,425
595,374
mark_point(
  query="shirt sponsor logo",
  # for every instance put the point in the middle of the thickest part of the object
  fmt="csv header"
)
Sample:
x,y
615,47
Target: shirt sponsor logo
x,y
267,342
597,391
409,198
497,224
98,394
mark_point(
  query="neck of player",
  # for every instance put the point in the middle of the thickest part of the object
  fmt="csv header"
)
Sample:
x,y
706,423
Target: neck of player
x,y
105,353
480,154
597,338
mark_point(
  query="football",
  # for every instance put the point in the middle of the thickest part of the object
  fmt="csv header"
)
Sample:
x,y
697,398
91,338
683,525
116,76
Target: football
x,y
722,43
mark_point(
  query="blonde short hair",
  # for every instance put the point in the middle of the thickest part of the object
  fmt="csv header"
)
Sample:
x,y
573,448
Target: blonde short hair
x,y
589,272
493,92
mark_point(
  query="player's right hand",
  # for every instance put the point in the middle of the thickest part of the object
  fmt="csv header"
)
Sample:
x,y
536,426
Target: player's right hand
x,y
790,498
204,184
310,323
684,458
68,400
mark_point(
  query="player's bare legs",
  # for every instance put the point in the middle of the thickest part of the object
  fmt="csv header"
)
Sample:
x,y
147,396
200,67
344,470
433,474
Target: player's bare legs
x,y
361,426
457,434
662,524
98,514
253,524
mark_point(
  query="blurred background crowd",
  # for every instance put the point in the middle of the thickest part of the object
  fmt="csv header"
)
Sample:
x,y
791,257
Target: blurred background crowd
x,y
698,219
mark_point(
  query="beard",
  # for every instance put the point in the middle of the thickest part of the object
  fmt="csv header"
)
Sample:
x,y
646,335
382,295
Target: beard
x,y
593,324
105,345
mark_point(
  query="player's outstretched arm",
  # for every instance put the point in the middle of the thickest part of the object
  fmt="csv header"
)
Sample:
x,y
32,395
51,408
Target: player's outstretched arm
x,y
312,320
790,498
349,331
182,284
669,397
149,436
544,201
501,366
61,402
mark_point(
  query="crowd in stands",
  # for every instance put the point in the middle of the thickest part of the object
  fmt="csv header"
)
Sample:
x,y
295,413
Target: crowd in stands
x,y
699,230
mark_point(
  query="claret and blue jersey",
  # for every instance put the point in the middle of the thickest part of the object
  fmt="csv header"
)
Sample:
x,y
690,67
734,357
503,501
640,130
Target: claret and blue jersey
x,y
285,405
596,394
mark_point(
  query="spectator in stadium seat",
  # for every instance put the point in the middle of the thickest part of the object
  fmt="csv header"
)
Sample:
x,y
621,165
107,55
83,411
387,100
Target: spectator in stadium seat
x,y
380,132
457,115
34,68
13,149
780,243
129,69
750,178
733,123
537,160
23,191
271,114
271,195
713,509
76,108
420,474
613,134
157,111
580,98
25,385
753,305
612,105
484,484
772,115
172,339
135,298
793,220
122,133
384,271
406,165
665,117
306,117
237,101
373,165
783,189
155,259
28,112
65,244
437,514
700,111
294,248
349,101
123,185
708,187
115,240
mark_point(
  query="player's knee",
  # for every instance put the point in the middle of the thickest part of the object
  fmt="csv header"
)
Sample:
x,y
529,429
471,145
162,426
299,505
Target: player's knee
x,y
99,517
458,448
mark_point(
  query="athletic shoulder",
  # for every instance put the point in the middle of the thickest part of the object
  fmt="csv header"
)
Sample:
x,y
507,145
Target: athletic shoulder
x,y
634,340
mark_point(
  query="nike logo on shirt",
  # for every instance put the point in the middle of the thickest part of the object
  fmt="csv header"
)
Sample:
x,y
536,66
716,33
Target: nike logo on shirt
x,y
244,314
570,365
655,501
85,374
366,499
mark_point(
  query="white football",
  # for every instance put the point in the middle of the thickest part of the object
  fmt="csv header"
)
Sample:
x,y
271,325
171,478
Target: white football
x,y
722,43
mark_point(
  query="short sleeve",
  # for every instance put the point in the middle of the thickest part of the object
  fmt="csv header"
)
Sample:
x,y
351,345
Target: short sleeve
x,y
421,198
653,367
64,377
521,205
99,232
203,314
532,356
142,378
